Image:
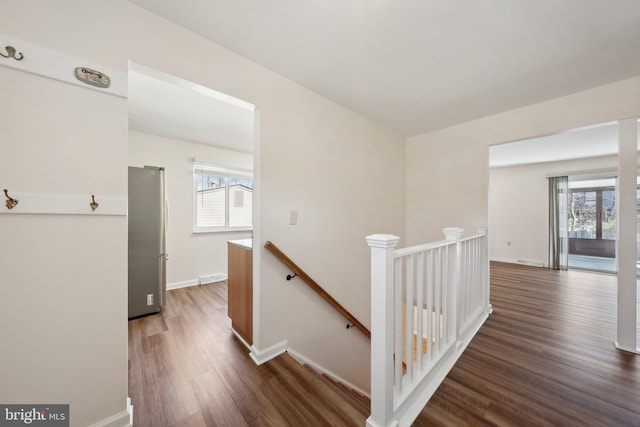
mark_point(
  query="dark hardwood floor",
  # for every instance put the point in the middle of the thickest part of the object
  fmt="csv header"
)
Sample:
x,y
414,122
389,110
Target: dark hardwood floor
x,y
186,368
544,357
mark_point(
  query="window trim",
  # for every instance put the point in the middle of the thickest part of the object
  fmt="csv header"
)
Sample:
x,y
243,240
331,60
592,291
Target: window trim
x,y
227,172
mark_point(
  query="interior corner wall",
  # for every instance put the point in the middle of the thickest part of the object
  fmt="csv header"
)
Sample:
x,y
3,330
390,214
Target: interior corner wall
x,y
342,173
191,255
448,170
519,207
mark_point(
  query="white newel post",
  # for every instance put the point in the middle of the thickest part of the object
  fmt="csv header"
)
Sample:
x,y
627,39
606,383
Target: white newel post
x,y
452,234
382,248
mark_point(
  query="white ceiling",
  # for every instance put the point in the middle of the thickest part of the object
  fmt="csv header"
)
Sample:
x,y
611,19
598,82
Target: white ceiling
x,y
164,105
420,65
592,141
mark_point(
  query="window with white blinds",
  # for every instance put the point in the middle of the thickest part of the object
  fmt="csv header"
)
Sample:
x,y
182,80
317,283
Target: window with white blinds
x,y
223,198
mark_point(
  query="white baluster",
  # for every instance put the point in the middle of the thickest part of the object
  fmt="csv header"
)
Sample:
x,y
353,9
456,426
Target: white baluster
x,y
419,309
450,279
430,320
409,302
453,234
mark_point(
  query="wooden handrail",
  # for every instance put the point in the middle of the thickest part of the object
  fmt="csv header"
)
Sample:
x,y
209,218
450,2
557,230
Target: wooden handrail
x,y
315,286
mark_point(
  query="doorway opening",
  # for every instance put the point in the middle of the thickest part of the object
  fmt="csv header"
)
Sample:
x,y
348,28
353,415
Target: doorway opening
x,y
518,198
193,131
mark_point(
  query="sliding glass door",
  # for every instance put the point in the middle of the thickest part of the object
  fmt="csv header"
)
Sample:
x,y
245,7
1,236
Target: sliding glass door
x,y
592,220
592,224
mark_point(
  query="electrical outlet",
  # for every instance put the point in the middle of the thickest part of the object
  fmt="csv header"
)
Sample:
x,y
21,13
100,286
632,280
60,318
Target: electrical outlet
x,y
149,299
293,217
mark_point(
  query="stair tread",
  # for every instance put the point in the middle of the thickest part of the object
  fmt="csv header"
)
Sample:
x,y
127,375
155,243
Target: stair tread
x,y
364,400
362,403
301,380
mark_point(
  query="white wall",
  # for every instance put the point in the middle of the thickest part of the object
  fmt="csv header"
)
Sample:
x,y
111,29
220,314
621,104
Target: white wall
x,y
191,255
447,170
343,173
519,206
63,285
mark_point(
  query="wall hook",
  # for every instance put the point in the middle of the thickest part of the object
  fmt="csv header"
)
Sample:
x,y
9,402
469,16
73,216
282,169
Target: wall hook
x,y
93,203
350,325
289,276
11,53
11,202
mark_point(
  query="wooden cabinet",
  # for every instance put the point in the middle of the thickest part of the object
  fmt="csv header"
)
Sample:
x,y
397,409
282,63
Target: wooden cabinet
x,y
240,285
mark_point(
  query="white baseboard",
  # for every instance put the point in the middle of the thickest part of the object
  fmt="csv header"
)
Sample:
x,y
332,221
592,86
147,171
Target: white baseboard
x,y
213,278
303,360
122,419
531,262
262,356
628,350
246,344
521,261
130,409
185,284
196,282
497,259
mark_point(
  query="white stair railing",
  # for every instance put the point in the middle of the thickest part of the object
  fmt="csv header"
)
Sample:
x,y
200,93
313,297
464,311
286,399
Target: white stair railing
x,y
427,302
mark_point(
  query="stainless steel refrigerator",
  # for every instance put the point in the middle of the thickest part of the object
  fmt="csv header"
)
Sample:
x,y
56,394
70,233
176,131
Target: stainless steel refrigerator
x,y
147,229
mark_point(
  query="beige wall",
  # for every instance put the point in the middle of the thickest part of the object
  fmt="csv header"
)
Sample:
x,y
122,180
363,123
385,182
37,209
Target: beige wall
x,y
191,255
447,170
519,206
343,173
344,176
63,285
